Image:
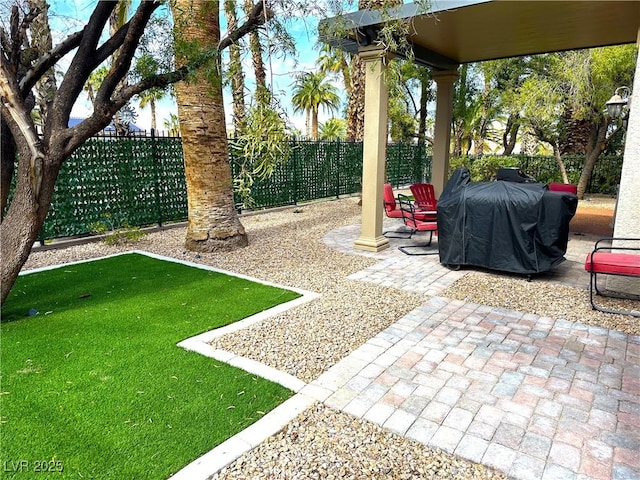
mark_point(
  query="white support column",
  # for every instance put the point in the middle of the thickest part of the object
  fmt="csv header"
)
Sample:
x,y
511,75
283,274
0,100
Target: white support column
x,y
627,222
376,98
442,129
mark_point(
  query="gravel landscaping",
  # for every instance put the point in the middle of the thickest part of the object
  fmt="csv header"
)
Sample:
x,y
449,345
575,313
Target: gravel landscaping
x,y
542,298
286,247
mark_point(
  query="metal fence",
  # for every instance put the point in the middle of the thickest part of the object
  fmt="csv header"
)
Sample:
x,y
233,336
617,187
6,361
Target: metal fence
x,y
138,181
114,181
317,169
604,179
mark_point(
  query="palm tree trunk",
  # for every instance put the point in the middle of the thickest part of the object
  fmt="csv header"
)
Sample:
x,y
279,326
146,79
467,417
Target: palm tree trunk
x,y
314,123
424,99
213,220
255,46
355,108
154,123
235,72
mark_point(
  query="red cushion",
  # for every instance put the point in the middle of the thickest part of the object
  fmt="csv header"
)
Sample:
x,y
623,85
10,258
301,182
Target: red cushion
x,y
426,226
563,187
619,263
394,213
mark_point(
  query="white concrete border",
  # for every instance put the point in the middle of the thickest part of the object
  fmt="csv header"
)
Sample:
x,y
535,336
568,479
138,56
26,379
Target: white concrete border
x,y
215,460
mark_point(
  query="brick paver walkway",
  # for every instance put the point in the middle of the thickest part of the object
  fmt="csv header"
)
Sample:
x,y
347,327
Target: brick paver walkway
x,y
535,397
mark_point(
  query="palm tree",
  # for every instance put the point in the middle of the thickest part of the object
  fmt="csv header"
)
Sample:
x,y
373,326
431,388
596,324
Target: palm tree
x,y
355,105
213,221
311,92
95,80
255,46
333,129
334,60
150,97
172,124
235,72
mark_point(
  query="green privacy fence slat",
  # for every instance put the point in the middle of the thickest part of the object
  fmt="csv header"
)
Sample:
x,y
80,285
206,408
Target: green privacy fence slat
x,y
408,163
110,180
140,180
604,179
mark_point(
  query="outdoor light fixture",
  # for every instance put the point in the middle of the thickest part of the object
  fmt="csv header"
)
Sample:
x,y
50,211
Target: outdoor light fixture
x,y
618,101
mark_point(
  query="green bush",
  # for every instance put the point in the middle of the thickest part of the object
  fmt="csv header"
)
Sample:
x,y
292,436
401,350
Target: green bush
x,y
115,232
483,169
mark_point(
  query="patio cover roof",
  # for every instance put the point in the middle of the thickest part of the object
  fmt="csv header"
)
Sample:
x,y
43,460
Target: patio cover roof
x,y
452,32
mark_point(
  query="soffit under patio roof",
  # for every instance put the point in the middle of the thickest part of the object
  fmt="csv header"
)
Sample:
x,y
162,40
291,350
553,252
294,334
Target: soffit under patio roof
x,y
452,32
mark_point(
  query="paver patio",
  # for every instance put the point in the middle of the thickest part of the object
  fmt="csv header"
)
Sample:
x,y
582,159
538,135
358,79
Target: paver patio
x,y
535,397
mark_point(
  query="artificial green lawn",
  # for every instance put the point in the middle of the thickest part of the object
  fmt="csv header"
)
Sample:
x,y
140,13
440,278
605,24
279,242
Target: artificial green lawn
x,y
96,382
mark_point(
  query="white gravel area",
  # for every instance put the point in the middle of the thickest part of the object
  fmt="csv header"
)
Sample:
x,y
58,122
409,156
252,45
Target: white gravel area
x,y
322,443
542,298
286,247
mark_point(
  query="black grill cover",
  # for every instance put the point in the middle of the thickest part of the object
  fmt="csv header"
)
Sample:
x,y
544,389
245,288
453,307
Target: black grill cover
x,y
511,227
511,174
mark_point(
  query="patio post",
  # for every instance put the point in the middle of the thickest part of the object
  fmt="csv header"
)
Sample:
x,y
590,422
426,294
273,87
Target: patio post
x,y
627,221
376,97
442,129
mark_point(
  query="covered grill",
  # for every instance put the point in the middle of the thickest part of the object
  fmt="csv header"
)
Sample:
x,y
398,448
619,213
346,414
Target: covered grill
x,y
511,227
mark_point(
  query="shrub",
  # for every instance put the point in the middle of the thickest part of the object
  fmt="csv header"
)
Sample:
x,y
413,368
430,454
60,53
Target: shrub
x,y
483,169
115,233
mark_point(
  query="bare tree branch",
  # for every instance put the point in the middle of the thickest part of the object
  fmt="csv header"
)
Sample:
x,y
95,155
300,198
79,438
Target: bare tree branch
x,y
255,20
80,68
103,112
120,68
48,60
14,104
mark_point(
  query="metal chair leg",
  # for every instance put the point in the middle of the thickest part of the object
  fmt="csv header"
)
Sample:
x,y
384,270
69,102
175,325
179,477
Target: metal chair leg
x,y
404,248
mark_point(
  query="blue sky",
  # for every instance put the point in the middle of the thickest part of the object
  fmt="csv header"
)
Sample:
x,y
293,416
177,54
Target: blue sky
x,y
66,17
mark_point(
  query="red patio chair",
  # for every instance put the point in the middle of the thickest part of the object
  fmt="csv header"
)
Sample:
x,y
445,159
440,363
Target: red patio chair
x,y
563,187
606,259
425,198
390,205
413,222
391,210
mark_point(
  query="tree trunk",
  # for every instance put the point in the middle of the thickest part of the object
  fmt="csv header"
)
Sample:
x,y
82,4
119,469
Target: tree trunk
x,y
560,162
510,135
7,158
314,123
235,72
346,73
262,96
41,39
595,146
154,124
424,99
213,220
457,140
355,108
576,134
26,214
